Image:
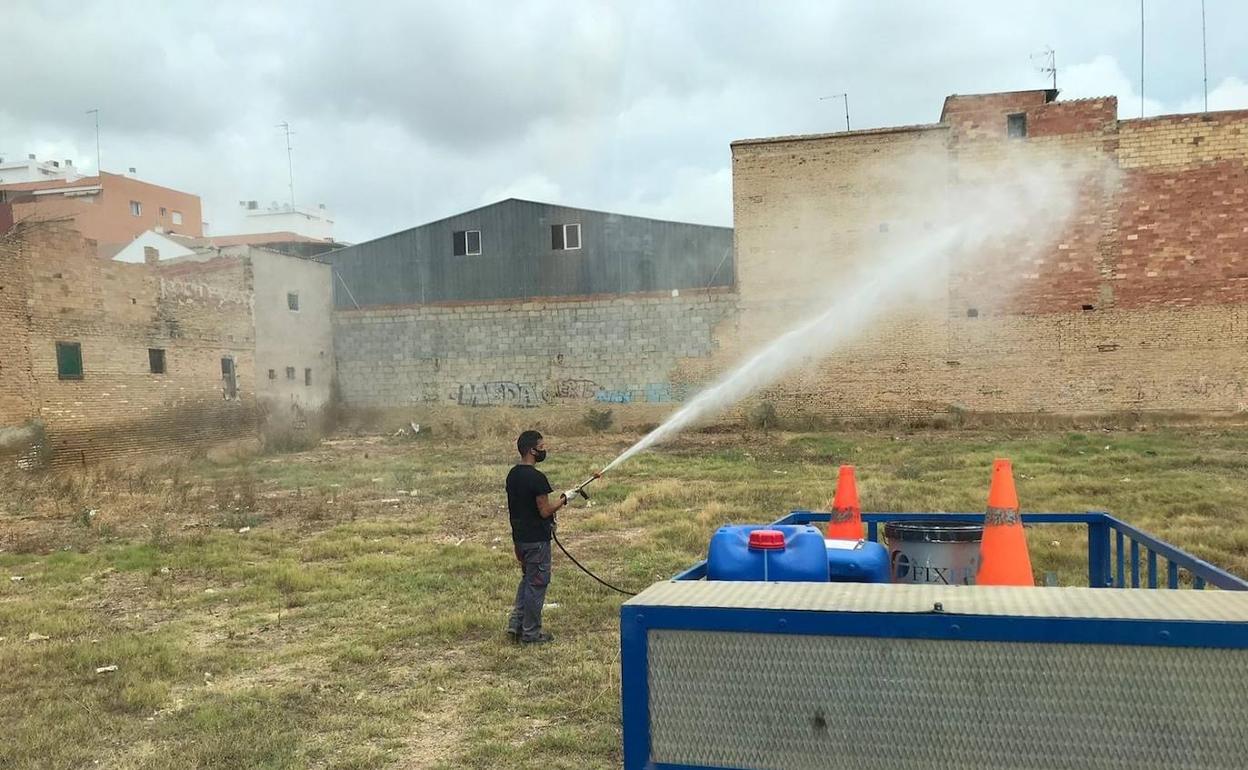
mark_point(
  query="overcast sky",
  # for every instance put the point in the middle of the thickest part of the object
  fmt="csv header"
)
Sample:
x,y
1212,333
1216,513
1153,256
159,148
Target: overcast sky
x,y
406,112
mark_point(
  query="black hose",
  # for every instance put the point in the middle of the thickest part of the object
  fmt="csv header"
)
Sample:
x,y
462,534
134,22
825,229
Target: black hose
x,y
585,570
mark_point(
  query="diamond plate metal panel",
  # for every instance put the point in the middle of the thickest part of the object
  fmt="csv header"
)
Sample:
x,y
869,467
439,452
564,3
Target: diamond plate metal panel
x,y
789,702
1066,602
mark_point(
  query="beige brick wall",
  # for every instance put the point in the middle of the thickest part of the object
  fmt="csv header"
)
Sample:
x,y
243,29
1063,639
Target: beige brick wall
x,y
16,397
116,312
1139,301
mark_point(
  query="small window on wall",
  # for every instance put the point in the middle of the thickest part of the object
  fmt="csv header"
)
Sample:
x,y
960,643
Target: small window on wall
x,y
565,237
136,209
466,243
177,217
1016,125
307,377
156,360
292,300
229,379
290,372
272,374
163,212
69,360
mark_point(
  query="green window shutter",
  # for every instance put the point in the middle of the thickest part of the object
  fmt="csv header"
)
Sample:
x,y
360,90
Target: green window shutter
x,y
69,360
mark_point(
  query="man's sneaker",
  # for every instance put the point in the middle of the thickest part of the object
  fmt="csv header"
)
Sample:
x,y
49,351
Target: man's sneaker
x,y
541,638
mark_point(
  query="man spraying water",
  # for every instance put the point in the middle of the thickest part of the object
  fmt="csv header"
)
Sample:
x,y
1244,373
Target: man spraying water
x,y
532,514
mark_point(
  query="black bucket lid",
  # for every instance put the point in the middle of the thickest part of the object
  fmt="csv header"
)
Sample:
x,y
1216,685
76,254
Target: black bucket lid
x,y
932,531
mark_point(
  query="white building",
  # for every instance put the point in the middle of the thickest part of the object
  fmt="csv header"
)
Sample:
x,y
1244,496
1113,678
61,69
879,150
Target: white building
x,y
29,169
283,218
293,307
166,247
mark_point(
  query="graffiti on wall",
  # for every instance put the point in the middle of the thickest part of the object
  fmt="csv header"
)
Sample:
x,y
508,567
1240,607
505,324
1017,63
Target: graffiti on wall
x,y
499,393
528,394
659,393
576,389
613,396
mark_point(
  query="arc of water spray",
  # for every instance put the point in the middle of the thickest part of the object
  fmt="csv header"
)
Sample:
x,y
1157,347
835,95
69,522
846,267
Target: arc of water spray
x,y
988,212
769,364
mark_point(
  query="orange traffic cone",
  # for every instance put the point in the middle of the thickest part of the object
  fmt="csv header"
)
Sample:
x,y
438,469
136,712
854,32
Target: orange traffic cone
x,y
846,523
1003,557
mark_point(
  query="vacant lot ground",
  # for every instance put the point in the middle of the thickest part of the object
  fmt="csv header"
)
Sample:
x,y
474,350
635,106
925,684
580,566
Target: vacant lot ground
x,y
344,607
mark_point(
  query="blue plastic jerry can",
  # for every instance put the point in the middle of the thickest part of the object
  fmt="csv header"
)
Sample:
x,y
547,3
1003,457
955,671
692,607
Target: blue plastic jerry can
x,y
857,561
772,553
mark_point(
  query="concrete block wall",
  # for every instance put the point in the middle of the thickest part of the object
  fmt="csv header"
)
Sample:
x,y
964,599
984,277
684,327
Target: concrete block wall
x,y
624,350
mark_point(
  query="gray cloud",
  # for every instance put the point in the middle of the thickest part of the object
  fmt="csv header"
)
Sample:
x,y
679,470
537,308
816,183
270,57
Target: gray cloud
x,y
412,111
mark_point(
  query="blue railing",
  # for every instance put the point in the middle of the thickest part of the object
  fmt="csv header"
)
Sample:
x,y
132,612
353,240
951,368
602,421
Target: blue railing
x,y
1116,550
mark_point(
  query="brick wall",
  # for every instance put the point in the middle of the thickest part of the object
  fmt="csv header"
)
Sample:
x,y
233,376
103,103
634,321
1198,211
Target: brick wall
x,y
1183,212
1136,302
16,397
626,350
117,312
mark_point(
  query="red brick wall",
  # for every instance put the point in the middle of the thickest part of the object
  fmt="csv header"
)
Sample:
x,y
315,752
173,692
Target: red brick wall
x,y
1082,116
1183,211
1067,267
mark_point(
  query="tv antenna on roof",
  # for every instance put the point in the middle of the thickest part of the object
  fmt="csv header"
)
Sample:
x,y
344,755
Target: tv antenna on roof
x,y
1048,62
96,112
290,160
840,96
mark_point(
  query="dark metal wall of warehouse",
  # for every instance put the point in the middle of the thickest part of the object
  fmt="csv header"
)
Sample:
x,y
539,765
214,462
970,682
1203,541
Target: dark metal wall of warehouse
x,y
518,258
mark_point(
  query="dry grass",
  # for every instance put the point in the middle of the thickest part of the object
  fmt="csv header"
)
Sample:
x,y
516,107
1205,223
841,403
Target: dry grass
x,y
357,620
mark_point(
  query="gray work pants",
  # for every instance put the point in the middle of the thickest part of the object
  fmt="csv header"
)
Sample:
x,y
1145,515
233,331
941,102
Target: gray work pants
x,y
526,614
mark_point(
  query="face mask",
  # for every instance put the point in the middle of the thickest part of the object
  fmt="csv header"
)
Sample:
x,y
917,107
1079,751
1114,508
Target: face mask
x,y
539,455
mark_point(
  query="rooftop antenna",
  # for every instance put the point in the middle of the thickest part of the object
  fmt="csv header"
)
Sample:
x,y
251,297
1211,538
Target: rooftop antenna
x,y
1204,53
1048,60
840,96
290,160
96,112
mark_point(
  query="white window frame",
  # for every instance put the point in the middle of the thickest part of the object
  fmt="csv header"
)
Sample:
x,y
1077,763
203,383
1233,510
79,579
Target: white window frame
x,y
136,208
468,252
579,242
177,217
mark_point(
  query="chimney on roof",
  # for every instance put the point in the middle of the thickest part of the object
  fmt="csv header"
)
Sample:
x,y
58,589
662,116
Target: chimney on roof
x,y
151,255
132,169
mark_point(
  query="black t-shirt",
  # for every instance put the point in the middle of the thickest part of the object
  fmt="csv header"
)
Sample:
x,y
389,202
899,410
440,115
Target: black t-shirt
x,y
524,484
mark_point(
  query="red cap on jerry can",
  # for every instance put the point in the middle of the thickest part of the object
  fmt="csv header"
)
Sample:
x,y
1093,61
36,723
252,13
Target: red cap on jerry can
x,y
767,540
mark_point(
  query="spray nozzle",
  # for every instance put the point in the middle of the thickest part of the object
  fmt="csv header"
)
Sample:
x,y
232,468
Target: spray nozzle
x,y
580,490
